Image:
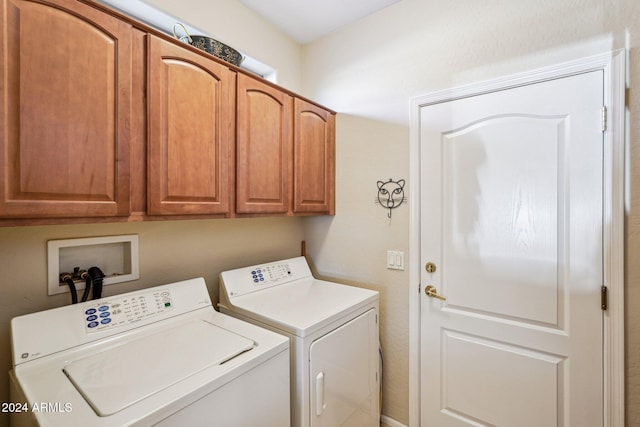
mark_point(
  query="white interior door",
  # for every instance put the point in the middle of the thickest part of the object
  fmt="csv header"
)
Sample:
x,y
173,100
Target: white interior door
x,y
511,215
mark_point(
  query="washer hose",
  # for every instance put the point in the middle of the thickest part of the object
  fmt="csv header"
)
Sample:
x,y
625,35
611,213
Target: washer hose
x,y
96,276
72,288
88,282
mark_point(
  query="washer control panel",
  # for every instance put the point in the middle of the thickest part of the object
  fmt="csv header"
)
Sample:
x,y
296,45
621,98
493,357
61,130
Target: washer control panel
x,y
124,310
47,332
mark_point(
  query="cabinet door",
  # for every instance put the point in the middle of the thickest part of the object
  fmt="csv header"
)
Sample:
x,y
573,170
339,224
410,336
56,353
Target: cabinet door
x,y
191,121
65,73
263,150
314,159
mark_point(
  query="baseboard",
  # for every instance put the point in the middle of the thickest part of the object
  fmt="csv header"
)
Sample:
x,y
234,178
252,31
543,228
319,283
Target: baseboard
x,y
391,422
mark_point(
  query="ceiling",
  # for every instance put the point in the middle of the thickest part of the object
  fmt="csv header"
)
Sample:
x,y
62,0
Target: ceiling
x,y
303,20
308,20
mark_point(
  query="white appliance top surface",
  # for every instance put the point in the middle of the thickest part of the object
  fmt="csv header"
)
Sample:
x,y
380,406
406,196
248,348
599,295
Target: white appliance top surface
x,y
296,305
305,306
118,377
165,349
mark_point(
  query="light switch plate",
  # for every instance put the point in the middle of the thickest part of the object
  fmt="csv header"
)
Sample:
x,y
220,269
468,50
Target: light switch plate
x,y
395,260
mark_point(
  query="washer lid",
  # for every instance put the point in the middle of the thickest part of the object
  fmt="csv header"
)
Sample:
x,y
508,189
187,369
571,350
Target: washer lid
x,y
304,306
120,376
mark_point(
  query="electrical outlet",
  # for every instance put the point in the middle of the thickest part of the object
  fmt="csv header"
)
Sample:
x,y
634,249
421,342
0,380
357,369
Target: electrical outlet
x,y
395,260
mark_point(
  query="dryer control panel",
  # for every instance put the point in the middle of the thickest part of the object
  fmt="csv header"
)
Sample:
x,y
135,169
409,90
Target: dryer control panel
x,y
254,278
121,310
270,273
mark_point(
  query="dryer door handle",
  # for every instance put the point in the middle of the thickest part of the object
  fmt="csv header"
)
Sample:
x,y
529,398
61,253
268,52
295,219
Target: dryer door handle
x,y
320,405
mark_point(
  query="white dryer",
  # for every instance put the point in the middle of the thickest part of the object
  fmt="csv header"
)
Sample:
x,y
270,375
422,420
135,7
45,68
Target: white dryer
x,y
333,328
160,356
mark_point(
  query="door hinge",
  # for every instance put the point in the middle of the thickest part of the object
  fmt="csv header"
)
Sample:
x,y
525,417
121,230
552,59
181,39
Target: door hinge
x,y
419,288
604,118
604,297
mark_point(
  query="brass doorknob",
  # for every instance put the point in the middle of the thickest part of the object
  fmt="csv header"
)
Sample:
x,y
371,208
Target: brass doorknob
x,y
432,292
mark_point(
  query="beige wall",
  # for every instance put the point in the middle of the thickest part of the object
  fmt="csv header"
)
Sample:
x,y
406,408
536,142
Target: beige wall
x,y
352,246
370,70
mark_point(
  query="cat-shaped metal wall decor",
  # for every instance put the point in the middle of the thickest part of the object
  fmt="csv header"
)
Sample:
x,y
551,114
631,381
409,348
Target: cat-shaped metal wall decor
x,y
390,194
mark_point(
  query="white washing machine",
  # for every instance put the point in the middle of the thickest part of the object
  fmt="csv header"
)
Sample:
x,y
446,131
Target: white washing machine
x,y
160,356
333,328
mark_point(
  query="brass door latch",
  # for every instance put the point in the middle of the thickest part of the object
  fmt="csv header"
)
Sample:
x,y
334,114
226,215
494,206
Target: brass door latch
x,y
432,292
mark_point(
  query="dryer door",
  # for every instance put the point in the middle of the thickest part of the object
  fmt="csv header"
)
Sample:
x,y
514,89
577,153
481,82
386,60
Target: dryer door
x,y
344,375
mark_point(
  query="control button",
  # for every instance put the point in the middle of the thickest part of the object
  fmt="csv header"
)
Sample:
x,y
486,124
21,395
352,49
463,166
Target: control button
x,y
105,321
105,314
103,308
255,280
92,318
253,272
92,324
90,311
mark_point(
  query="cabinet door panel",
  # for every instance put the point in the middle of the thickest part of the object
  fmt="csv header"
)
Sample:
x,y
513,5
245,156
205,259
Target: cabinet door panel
x,y
263,148
314,159
65,144
190,132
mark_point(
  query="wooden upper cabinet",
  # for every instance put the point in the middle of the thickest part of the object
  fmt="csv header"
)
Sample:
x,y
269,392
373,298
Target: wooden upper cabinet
x,y
314,159
263,148
65,90
86,93
191,110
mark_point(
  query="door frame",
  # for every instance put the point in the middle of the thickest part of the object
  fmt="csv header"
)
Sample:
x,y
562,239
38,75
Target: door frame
x,y
613,65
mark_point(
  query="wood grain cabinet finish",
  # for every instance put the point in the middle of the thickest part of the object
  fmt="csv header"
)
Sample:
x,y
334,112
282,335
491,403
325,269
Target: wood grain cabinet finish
x,y
191,112
314,159
75,104
65,86
263,148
